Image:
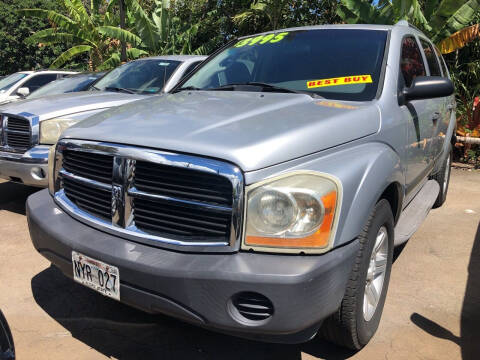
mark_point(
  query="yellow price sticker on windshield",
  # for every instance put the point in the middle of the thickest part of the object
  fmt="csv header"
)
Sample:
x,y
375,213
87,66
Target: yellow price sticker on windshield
x,y
344,80
262,39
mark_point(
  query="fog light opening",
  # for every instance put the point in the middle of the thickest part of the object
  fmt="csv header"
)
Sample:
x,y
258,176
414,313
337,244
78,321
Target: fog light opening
x,y
38,173
250,308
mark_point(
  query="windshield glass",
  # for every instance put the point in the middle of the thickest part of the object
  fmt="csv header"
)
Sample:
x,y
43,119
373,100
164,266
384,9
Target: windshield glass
x,y
141,76
65,85
336,64
7,82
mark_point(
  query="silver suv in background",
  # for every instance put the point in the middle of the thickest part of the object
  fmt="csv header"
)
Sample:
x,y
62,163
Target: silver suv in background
x,y
16,86
28,128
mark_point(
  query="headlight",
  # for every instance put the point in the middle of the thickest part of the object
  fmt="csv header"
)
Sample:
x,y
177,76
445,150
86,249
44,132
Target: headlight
x,y
293,213
50,130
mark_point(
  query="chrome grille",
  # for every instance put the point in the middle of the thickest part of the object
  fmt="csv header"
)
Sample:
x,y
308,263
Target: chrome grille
x,y
96,200
93,200
89,165
161,198
18,133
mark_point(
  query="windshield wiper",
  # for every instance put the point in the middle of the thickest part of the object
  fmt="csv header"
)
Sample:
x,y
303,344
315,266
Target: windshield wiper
x,y
265,87
186,88
119,89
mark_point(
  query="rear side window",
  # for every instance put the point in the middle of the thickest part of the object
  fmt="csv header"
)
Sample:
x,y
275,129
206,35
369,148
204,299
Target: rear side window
x,y
442,63
38,81
431,58
411,62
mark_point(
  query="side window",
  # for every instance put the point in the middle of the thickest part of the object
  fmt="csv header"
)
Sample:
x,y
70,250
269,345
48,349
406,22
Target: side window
x,y
411,62
442,62
431,58
38,81
191,68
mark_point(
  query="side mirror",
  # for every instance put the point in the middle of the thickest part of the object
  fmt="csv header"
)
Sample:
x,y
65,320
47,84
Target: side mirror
x,y
23,91
427,87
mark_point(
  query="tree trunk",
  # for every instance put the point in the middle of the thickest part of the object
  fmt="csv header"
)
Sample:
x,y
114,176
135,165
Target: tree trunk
x,y
123,55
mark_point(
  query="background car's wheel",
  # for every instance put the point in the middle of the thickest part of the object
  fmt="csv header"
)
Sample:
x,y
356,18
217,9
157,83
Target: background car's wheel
x,y
358,317
443,179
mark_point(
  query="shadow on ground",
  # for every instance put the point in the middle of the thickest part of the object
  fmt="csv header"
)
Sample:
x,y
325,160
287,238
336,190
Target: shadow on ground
x,y
119,331
469,340
13,196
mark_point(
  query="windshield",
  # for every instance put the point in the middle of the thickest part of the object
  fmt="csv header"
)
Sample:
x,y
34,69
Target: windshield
x,y
336,64
7,82
65,85
142,76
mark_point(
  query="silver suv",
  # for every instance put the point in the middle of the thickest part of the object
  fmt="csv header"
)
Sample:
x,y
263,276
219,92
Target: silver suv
x,y
264,196
30,127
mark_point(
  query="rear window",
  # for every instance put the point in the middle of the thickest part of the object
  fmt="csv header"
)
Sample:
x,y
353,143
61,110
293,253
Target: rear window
x,y
10,80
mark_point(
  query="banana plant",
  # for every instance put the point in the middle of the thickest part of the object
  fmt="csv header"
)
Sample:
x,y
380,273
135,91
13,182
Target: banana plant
x,y
273,10
440,19
88,32
163,33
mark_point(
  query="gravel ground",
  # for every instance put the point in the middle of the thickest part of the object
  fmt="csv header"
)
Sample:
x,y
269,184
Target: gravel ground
x,y
432,309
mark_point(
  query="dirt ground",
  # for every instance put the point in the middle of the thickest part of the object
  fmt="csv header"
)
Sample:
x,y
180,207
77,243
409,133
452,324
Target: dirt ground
x,y
432,309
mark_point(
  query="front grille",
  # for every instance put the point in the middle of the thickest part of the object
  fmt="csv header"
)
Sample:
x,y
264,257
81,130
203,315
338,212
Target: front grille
x,y
153,196
95,200
182,183
166,219
18,133
89,165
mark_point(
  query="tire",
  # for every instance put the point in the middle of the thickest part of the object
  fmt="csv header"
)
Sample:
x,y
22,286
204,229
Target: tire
x,y
351,326
443,179
7,349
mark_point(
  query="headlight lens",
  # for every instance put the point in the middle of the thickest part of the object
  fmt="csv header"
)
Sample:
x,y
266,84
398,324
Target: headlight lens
x,y
50,130
296,211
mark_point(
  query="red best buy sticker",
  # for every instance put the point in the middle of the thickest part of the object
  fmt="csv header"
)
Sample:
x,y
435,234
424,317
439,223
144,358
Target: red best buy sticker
x,y
344,80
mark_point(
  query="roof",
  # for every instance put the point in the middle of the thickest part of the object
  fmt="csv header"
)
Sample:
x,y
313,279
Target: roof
x,y
176,57
402,23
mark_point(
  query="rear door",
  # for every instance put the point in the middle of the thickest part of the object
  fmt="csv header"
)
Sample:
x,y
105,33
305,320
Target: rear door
x,y
440,114
417,115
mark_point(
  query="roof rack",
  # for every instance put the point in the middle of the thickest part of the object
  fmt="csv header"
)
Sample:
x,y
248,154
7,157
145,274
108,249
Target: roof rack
x,y
406,23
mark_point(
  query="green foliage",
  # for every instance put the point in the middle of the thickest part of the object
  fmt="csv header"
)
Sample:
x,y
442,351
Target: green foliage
x,y
94,32
15,54
437,18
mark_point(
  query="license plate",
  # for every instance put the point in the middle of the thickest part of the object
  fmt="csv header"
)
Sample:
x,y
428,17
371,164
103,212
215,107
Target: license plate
x,y
96,275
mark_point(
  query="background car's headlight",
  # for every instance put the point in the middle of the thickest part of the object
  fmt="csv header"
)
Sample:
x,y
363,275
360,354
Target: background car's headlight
x,y
297,211
50,130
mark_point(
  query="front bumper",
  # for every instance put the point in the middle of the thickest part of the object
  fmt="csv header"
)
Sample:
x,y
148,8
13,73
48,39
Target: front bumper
x,y
198,287
30,168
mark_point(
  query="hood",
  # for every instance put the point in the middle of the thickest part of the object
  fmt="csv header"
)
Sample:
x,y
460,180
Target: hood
x,y
54,106
252,130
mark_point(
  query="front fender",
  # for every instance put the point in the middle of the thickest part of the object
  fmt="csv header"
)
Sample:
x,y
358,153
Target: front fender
x,y
365,171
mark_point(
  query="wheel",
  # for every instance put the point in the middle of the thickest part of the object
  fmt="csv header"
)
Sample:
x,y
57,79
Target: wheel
x,y
357,319
7,350
443,179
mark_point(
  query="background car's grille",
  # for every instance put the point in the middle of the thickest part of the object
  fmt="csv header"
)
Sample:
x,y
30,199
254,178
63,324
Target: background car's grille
x,y
167,201
18,134
90,166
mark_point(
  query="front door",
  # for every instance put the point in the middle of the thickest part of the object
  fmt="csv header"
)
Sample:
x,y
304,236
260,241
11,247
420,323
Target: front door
x,y
418,118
